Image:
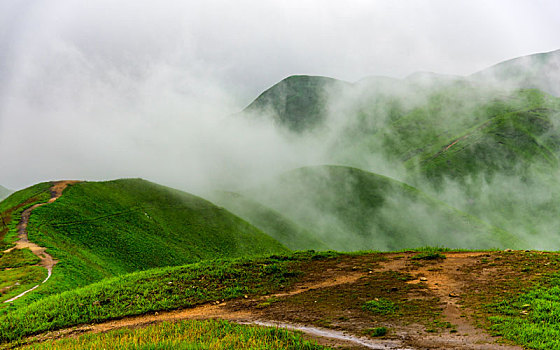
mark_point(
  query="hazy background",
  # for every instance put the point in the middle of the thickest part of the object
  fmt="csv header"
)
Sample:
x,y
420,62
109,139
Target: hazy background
x,y
105,89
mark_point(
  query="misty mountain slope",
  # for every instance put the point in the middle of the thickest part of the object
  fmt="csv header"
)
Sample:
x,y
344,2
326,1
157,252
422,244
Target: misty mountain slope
x,y
515,130
104,229
4,192
510,143
351,209
297,102
269,221
523,123
540,71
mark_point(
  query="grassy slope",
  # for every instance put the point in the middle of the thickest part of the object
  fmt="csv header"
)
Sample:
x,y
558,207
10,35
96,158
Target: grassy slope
x,y
350,209
507,137
104,229
12,207
16,274
269,221
155,290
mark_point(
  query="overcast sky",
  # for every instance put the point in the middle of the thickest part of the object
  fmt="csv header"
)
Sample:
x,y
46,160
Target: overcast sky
x,y
103,89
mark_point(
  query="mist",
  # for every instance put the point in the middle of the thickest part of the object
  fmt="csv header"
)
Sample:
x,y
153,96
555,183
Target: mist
x,y
102,90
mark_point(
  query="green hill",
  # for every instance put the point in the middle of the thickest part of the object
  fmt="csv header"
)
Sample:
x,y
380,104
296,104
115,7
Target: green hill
x,y
468,131
268,220
350,209
101,229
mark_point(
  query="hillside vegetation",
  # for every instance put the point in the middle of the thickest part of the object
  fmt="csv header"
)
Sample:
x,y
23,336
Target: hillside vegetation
x,y
270,221
160,289
104,229
298,102
461,140
351,209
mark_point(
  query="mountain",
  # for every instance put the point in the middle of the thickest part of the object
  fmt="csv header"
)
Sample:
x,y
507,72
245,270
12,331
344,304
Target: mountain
x,y
540,71
102,229
268,220
472,131
351,209
4,192
297,102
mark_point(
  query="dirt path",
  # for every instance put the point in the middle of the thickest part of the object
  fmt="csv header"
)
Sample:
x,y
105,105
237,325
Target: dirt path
x,y
326,304
447,280
47,260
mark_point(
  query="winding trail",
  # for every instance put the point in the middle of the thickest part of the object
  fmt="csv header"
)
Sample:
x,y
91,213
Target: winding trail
x,y
47,261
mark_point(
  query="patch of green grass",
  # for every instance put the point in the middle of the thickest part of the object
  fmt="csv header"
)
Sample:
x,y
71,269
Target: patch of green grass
x,y
18,280
437,325
430,254
530,319
154,290
267,303
207,334
18,258
380,306
376,332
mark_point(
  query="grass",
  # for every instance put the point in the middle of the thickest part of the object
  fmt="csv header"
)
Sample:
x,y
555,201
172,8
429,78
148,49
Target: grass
x,y
103,229
12,207
507,143
376,332
380,306
429,254
18,258
267,303
19,279
191,335
155,290
531,319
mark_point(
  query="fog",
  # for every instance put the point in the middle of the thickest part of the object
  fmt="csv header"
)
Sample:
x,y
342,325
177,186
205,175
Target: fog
x,y
103,90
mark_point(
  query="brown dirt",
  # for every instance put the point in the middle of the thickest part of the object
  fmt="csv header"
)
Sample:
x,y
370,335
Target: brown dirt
x,y
47,261
326,303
